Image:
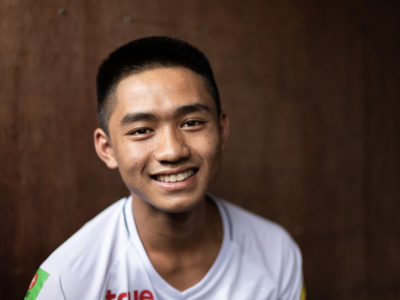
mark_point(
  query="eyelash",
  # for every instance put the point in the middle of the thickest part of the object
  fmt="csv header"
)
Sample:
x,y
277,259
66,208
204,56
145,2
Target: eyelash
x,y
192,123
140,131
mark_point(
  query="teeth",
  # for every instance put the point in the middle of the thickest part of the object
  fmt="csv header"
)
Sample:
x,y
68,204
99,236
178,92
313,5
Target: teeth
x,y
176,177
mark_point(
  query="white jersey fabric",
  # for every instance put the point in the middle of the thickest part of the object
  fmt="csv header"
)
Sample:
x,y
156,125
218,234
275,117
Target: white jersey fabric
x,y
106,259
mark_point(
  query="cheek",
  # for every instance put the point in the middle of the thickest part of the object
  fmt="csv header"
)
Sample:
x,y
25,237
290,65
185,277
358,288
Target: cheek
x,y
131,158
210,148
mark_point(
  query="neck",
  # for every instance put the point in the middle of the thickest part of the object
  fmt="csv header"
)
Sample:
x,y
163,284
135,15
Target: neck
x,y
182,247
176,232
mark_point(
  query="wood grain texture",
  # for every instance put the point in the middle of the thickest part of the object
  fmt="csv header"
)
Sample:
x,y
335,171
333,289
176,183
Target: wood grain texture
x,y
312,91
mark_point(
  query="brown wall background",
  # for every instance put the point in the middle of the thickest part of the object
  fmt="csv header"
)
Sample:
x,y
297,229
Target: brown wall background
x,y
312,89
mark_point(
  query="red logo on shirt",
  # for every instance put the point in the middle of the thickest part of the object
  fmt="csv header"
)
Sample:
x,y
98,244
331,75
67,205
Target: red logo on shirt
x,y
34,279
136,295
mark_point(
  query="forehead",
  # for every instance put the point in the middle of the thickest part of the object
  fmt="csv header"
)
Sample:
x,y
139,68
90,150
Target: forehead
x,y
163,88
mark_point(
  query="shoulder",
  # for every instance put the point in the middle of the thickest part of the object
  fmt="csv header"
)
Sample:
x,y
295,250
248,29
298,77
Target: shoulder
x,y
269,246
84,259
245,223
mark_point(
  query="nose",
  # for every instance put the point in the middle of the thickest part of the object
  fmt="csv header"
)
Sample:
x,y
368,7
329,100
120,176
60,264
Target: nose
x,y
171,147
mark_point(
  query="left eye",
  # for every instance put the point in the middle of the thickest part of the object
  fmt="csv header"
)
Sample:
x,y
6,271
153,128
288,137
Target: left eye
x,y
192,123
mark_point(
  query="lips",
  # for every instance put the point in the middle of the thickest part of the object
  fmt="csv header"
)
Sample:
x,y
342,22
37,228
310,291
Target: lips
x,y
175,177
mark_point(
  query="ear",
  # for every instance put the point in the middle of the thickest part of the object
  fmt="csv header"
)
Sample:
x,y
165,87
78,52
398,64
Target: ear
x,y
224,129
104,149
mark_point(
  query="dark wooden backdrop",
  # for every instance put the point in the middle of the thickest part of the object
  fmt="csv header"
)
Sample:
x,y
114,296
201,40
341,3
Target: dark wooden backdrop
x,y
312,89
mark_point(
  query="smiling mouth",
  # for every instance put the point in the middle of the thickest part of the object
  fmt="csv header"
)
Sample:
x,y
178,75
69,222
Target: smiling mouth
x,y
175,177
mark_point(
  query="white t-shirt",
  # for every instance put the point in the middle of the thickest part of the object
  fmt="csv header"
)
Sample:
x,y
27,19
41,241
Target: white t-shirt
x,y
106,259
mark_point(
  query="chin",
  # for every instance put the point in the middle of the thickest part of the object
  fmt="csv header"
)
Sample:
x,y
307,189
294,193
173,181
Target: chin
x,y
178,205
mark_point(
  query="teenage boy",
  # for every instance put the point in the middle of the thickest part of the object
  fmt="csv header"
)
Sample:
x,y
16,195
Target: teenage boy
x,y
162,126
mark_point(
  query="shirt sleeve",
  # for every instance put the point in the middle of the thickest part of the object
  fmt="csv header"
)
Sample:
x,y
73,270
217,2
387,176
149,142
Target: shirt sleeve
x,y
291,284
44,286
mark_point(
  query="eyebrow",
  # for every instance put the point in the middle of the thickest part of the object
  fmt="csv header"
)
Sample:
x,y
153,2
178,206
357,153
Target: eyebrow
x,y
187,109
180,111
136,117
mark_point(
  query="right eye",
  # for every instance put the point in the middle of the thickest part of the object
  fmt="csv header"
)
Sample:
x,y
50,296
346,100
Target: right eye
x,y
140,131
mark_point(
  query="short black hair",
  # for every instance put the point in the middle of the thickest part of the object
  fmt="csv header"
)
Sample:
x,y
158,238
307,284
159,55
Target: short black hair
x,y
144,54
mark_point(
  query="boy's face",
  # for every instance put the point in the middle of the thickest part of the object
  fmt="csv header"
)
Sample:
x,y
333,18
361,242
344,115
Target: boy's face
x,y
164,137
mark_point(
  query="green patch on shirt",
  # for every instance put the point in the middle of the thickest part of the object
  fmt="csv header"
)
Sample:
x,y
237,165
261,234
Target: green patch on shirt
x,y
36,285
